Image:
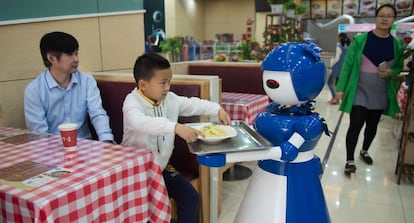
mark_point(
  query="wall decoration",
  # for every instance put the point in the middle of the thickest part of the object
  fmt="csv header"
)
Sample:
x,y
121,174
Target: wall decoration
x,y
154,26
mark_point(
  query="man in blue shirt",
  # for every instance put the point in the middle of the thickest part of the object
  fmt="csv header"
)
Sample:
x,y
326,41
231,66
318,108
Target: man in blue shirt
x,y
62,93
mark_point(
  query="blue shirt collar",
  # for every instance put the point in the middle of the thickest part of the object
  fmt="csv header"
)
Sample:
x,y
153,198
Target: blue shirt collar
x,y
51,82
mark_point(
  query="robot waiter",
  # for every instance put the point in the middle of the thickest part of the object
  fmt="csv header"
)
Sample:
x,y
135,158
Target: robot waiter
x,y
285,187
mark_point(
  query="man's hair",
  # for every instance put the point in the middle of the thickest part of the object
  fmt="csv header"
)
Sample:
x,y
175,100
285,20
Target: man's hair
x,y
389,6
57,43
147,63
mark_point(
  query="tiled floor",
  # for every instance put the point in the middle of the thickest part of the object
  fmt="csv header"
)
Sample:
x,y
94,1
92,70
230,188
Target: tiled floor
x,y
370,195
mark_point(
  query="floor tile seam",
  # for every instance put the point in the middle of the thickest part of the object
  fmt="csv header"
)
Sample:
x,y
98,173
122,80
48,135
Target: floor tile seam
x,y
370,201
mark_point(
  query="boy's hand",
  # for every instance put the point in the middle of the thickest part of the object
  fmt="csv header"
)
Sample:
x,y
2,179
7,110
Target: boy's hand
x,y
187,133
224,117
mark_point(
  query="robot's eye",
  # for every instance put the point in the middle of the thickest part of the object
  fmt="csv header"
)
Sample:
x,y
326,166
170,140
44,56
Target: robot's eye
x,y
272,84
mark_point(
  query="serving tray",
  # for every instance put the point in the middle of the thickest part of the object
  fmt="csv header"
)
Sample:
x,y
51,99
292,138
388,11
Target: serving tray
x,y
246,140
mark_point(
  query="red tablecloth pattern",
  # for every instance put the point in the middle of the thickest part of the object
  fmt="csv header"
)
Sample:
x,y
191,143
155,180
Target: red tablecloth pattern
x,y
244,107
107,183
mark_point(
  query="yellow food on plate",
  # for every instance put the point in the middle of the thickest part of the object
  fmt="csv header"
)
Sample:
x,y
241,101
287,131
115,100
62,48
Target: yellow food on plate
x,y
213,131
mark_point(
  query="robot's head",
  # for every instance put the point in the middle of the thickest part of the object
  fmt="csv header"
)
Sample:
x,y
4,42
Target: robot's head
x,y
293,73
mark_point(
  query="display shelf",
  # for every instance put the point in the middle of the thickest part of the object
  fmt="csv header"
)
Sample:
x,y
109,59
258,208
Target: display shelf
x,y
222,48
280,29
207,50
273,31
405,160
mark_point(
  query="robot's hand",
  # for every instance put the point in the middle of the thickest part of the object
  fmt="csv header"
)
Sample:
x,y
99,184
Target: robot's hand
x,y
212,160
289,151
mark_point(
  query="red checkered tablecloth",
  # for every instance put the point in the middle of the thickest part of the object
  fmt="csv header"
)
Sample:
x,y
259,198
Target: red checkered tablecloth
x,y
106,183
244,107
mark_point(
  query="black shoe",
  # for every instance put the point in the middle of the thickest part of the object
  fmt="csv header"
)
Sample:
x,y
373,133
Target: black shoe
x,y
350,168
365,157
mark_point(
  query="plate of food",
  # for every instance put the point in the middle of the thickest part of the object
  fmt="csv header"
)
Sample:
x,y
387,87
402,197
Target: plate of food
x,y
215,133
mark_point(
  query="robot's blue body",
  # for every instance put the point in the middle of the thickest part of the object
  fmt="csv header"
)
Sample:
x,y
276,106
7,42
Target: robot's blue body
x,y
287,188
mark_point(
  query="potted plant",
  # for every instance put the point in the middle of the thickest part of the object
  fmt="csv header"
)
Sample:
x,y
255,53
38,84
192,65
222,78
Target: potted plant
x,y
299,11
172,46
276,5
289,8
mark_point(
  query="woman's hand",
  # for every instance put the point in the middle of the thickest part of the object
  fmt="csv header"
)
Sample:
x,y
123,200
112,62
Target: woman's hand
x,y
224,117
338,96
384,73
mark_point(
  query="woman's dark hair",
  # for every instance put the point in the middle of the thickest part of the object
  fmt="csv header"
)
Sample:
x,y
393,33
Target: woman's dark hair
x,y
386,5
146,64
344,39
57,43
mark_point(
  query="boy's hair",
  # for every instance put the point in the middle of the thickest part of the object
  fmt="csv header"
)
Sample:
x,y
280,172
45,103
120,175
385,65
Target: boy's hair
x,y
57,43
147,63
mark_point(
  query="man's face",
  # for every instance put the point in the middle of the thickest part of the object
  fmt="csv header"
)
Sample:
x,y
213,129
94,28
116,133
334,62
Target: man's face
x,y
67,63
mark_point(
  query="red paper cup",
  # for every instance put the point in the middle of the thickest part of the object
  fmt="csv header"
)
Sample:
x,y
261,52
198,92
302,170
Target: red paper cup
x,y
68,133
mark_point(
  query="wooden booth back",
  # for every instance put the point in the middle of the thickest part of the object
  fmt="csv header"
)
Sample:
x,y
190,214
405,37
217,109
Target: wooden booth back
x,y
235,77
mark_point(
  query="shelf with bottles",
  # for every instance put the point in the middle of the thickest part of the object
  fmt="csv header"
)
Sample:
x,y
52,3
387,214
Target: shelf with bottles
x,y
222,48
207,50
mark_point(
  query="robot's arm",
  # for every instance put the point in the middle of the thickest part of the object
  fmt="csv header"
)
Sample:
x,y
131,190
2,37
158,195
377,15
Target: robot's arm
x,y
288,151
220,159
307,128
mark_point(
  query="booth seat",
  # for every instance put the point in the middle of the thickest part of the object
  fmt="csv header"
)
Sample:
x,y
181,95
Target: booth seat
x,y
236,77
113,91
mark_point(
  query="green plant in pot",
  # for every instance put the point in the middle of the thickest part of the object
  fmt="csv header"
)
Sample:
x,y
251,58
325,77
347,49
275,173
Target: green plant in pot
x,y
246,50
172,46
276,5
300,10
289,8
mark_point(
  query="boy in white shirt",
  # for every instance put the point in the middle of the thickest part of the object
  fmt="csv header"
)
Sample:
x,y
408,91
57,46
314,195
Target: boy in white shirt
x,y
151,113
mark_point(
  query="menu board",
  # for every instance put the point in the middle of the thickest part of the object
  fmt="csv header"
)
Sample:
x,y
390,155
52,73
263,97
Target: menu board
x,y
334,8
318,9
351,7
381,2
367,8
403,7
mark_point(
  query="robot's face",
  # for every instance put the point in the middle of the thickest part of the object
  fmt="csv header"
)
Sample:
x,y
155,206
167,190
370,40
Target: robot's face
x,y
279,87
305,66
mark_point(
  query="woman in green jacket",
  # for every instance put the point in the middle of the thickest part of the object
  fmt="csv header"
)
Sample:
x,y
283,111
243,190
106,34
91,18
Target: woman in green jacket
x,y
366,84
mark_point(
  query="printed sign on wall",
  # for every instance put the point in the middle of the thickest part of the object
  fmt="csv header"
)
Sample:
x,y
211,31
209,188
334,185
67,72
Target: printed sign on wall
x,y
154,24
